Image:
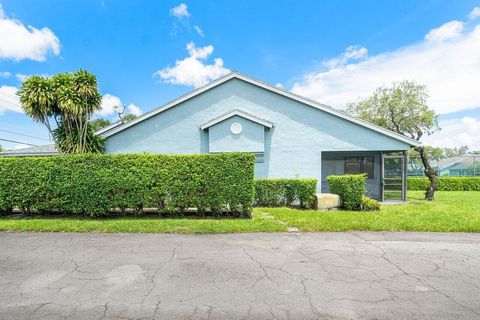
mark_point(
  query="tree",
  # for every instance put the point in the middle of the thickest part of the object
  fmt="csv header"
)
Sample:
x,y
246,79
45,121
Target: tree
x,y
129,117
69,99
402,108
1,148
432,153
99,123
455,152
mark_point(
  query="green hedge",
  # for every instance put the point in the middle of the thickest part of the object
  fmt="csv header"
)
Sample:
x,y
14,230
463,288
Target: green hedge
x,y
350,188
97,184
446,183
285,192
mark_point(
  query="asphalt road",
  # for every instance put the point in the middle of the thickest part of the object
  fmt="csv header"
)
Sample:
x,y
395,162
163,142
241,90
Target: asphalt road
x,y
360,275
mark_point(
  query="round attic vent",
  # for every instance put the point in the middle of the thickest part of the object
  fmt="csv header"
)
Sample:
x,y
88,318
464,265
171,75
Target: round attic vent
x,y
236,128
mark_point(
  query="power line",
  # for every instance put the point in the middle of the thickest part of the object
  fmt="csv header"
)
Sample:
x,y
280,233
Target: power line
x,y
9,94
25,135
28,144
8,97
9,101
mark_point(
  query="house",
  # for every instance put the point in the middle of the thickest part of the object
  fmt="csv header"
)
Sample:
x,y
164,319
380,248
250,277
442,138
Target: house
x,y
459,166
290,135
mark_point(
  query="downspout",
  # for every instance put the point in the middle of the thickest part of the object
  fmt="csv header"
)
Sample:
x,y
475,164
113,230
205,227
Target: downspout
x,y
404,176
382,173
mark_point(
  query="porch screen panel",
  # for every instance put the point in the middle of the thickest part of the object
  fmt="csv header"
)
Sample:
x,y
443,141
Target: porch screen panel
x,y
359,165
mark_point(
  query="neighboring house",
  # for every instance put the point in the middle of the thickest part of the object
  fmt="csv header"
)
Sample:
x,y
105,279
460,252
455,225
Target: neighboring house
x,y
290,135
459,166
39,151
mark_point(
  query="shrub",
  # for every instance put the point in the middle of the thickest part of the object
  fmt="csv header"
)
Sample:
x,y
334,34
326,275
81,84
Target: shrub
x,y
285,192
369,204
350,188
97,184
471,183
445,183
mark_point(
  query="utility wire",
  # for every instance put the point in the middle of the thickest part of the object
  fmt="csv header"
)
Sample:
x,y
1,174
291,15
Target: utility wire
x,y
28,144
3,93
25,135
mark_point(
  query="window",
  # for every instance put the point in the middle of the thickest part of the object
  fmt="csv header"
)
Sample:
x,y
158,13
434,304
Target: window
x,y
357,165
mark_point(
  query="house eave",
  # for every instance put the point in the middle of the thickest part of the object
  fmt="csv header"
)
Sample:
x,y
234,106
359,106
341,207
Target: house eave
x,y
240,113
266,86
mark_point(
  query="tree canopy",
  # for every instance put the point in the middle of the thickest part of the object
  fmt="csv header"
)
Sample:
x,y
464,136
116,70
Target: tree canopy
x,y
129,117
69,100
456,151
402,108
99,123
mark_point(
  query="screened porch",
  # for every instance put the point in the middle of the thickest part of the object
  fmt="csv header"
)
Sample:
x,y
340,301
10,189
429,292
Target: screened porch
x,y
386,171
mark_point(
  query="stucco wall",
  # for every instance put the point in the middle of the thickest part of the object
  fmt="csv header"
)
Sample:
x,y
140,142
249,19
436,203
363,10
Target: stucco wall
x,y
251,139
293,146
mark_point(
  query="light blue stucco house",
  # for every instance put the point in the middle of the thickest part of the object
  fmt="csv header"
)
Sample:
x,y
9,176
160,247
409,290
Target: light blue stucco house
x,y
290,135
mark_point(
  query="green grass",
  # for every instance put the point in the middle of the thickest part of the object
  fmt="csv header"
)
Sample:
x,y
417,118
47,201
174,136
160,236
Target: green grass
x,y
452,211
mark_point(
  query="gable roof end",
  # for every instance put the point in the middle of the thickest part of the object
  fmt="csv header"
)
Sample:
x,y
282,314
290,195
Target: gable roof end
x,y
239,113
271,88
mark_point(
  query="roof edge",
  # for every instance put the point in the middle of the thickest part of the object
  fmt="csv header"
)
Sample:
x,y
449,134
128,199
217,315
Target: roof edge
x,y
269,87
236,112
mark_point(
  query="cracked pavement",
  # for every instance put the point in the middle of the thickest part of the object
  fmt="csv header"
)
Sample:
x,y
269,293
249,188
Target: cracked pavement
x,y
358,275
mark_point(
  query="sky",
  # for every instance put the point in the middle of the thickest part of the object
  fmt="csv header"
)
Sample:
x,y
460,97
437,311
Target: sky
x,y
146,53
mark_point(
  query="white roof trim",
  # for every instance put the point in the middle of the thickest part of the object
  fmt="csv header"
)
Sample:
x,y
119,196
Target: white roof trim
x,y
271,88
239,113
107,128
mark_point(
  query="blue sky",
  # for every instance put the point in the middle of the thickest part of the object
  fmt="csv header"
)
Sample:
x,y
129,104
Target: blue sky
x,y
145,53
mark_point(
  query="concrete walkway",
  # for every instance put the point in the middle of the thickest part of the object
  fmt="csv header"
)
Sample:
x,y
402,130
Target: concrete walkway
x,y
360,275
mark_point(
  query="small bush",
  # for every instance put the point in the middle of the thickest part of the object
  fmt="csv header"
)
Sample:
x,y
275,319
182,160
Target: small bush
x,y
369,204
285,192
445,183
350,188
98,184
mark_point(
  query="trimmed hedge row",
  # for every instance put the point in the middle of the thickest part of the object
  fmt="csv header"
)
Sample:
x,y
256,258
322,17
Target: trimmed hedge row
x,y
350,188
285,192
97,184
445,183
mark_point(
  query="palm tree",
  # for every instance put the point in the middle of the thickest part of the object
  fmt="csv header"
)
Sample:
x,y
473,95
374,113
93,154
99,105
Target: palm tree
x,y
70,99
38,99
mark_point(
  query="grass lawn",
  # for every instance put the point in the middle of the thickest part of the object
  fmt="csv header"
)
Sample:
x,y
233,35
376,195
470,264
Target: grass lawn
x,y
452,211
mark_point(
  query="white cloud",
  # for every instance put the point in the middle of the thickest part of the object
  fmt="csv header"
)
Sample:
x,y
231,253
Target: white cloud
x,y
108,104
180,11
449,30
133,109
475,13
21,77
352,53
449,68
5,74
194,70
279,85
9,100
20,42
199,31
455,133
